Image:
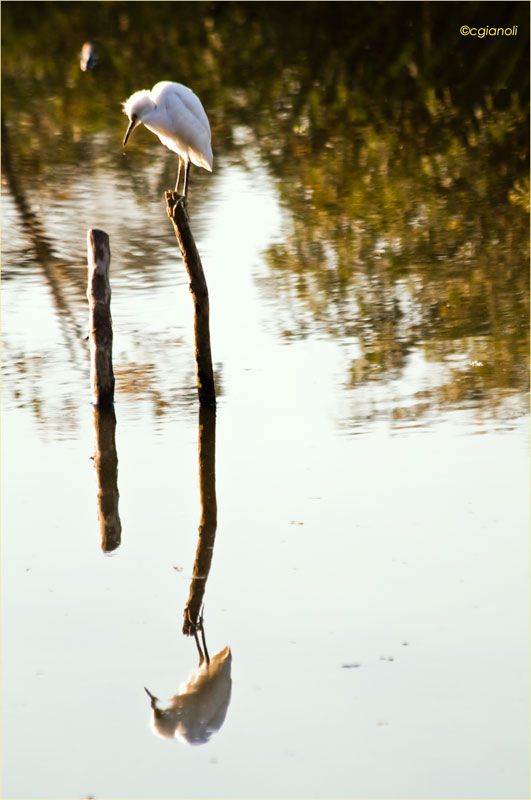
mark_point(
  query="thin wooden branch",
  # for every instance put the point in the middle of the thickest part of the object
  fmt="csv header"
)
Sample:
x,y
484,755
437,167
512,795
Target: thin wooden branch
x,y
208,521
100,321
176,210
106,464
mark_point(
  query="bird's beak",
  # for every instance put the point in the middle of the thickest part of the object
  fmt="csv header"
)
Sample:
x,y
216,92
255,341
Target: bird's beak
x,y
130,129
151,697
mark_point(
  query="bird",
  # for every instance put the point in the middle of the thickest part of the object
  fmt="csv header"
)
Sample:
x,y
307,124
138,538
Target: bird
x,y
176,115
200,707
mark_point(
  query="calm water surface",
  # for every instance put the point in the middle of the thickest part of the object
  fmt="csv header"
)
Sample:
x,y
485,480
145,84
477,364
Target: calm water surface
x,y
369,311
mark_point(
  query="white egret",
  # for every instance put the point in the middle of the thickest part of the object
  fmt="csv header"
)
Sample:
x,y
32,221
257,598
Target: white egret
x,y
200,707
176,115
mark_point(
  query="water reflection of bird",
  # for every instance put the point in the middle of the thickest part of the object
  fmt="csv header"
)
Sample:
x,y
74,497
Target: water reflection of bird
x,y
176,115
200,708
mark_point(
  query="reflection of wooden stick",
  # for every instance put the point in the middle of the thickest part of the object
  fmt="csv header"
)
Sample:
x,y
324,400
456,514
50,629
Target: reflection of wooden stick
x,y
106,463
209,518
175,207
100,322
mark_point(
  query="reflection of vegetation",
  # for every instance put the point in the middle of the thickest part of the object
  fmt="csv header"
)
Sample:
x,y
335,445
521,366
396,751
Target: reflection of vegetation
x,y
420,244
400,151
279,68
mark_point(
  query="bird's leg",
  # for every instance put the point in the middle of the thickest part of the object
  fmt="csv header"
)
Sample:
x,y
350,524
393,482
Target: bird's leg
x,y
195,627
178,174
200,625
186,171
201,654
207,657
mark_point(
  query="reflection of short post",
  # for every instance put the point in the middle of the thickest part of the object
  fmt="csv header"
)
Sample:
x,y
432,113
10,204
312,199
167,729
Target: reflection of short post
x,y
209,518
175,207
100,322
106,463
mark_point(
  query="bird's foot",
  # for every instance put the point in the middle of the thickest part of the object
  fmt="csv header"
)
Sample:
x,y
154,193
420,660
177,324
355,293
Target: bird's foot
x,y
190,626
173,199
195,625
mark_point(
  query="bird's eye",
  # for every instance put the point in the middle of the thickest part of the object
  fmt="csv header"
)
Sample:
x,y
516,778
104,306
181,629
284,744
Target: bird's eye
x,y
134,117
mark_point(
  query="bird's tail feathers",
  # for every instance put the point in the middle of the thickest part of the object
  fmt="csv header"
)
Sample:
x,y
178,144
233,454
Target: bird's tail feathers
x,y
205,160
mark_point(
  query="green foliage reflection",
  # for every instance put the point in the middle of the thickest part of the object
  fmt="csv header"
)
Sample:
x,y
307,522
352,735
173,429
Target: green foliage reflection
x,y
398,147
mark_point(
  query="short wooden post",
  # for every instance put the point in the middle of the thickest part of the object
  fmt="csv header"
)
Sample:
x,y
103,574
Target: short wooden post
x,y
100,322
208,521
176,210
106,464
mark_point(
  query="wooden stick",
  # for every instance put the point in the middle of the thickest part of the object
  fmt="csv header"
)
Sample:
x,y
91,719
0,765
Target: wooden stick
x,y
100,322
176,210
209,518
106,464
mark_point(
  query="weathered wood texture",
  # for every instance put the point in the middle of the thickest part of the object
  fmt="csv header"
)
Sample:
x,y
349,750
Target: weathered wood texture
x,y
175,207
106,465
100,322
208,521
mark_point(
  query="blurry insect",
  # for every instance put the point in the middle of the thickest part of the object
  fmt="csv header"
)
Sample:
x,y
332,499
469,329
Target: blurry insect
x,y
88,57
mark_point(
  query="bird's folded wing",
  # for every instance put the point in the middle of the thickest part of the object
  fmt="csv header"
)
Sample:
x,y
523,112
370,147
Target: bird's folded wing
x,y
169,94
189,129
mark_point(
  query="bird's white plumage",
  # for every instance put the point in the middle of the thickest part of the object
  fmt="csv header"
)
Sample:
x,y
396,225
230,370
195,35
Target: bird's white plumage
x,y
175,114
200,708
166,92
